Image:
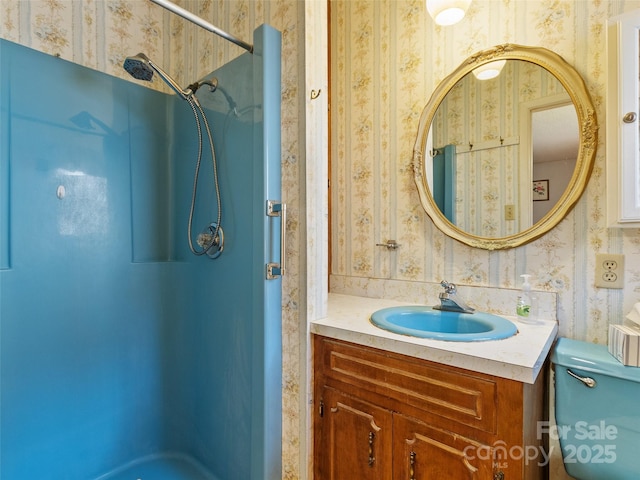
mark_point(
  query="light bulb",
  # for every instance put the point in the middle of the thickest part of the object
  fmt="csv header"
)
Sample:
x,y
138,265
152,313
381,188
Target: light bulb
x,y
489,70
447,12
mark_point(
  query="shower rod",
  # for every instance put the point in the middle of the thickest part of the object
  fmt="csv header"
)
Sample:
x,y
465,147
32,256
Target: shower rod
x,y
202,23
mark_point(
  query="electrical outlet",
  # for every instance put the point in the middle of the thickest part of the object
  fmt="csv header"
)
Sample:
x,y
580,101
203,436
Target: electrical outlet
x,y
609,270
509,212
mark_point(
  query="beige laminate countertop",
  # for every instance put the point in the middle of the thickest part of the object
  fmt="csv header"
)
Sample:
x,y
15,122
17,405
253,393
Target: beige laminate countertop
x,y
519,357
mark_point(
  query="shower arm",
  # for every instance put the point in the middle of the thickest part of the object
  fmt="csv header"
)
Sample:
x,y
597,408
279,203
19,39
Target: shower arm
x,y
202,23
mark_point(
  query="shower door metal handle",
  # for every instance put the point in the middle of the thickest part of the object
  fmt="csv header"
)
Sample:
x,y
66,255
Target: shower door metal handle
x,y
276,208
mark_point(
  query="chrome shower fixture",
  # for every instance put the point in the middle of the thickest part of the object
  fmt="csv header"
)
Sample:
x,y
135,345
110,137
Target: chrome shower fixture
x,y
211,241
212,82
141,68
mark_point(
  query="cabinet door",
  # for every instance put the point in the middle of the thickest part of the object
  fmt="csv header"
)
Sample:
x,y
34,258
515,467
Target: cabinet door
x,y
623,119
355,439
422,452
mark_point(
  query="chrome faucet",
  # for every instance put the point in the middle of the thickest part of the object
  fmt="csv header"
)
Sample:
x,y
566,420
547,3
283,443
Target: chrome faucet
x,y
449,300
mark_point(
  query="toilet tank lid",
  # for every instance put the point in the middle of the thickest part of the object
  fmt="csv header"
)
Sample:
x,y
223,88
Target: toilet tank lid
x,y
590,357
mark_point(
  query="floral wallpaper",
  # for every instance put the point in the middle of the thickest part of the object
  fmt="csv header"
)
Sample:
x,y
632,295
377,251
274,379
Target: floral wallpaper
x,y
100,33
386,59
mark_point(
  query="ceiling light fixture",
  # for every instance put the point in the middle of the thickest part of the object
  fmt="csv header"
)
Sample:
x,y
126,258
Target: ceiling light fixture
x,y
447,12
489,70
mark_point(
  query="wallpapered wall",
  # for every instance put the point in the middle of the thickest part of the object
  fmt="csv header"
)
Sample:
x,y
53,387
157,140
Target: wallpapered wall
x,y
386,59
100,33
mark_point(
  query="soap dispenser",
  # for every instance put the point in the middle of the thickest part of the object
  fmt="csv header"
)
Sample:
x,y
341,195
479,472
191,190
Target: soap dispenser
x,y
524,308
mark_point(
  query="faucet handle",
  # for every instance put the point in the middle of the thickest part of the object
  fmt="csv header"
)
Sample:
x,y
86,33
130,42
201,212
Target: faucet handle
x,y
448,287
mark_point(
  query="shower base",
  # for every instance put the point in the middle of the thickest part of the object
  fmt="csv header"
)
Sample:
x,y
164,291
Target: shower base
x,y
160,467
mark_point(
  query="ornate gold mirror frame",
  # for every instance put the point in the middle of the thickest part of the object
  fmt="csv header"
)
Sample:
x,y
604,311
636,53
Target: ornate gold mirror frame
x,y
587,124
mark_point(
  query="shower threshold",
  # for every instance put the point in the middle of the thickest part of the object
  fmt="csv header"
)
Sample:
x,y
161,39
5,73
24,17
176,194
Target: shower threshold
x,y
167,466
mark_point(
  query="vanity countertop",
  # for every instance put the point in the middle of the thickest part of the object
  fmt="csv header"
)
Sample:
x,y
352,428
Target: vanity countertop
x,y
519,357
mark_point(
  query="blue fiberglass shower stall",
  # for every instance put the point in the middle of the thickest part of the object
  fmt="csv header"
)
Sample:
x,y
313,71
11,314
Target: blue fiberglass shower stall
x,y
122,355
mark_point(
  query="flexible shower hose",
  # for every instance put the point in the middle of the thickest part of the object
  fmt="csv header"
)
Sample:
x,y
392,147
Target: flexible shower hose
x,y
195,106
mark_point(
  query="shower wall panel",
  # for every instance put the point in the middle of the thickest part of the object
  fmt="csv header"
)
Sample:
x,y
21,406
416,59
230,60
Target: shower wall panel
x,y
4,171
116,343
150,136
229,363
82,328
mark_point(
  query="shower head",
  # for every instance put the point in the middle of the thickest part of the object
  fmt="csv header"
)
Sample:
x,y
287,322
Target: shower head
x,y
141,68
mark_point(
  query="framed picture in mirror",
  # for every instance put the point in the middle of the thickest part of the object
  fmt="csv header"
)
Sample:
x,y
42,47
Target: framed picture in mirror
x,y
540,190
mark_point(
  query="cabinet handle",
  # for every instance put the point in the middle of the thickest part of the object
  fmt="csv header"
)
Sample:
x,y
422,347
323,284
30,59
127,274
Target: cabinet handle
x,y
372,459
630,117
498,475
412,466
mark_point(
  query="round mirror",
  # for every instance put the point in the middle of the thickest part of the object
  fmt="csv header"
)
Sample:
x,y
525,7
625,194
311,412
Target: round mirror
x,y
505,147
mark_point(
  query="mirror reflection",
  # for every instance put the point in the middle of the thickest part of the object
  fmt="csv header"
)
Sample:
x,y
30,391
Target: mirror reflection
x,y
555,141
503,148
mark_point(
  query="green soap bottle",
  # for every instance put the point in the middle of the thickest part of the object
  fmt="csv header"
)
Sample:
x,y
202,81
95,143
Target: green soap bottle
x,y
524,309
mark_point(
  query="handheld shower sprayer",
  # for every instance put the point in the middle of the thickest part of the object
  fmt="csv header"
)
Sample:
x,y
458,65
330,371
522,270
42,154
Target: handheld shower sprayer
x,y
141,68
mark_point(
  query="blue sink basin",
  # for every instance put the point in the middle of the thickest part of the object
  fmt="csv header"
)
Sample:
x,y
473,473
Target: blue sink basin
x,y
427,322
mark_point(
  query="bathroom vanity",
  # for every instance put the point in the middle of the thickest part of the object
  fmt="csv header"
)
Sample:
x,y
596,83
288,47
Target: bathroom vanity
x,y
392,406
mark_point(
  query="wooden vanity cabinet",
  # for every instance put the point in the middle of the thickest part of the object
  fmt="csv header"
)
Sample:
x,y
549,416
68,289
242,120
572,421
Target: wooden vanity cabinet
x,y
381,415
356,439
423,452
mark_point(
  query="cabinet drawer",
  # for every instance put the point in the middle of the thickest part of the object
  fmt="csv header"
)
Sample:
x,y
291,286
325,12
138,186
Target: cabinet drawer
x,y
446,392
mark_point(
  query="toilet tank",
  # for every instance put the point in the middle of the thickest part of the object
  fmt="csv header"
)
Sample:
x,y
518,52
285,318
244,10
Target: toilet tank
x,y
598,426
